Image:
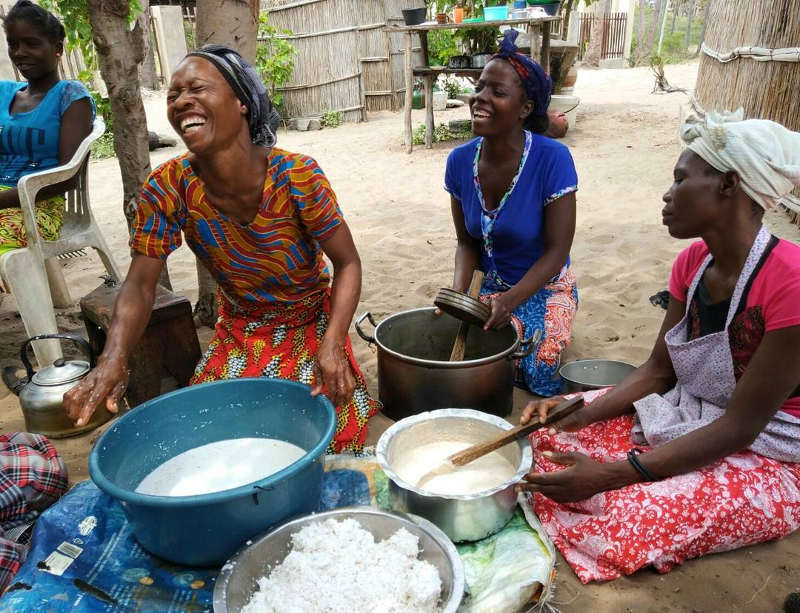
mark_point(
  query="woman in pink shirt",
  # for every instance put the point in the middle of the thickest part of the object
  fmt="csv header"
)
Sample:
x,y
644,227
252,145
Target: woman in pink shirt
x,y
696,451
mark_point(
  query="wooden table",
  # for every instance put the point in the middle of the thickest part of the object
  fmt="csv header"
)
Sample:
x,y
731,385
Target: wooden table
x,y
429,73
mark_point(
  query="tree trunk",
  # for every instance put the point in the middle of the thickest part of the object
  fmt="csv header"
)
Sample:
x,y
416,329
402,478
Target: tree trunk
x,y
229,22
597,34
566,12
640,30
233,23
658,13
675,10
147,74
703,29
689,16
120,51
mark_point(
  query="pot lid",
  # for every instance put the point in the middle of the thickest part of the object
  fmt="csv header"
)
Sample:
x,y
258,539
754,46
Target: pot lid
x,y
462,306
61,372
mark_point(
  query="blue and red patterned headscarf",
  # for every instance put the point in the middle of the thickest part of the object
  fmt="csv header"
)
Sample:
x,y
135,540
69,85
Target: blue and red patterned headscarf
x,y
538,85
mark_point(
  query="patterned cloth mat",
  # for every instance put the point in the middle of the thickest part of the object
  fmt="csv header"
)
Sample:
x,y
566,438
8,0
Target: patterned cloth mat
x,y
85,559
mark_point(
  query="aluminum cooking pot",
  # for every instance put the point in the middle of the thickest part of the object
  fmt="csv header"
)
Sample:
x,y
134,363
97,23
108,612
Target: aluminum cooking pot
x,y
466,517
415,373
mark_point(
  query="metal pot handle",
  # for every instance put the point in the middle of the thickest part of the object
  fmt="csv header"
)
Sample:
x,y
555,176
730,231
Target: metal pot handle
x,y
23,352
527,346
359,321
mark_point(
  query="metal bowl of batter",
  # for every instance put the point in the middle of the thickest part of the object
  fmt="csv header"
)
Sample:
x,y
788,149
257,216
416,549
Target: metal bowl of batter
x,y
468,516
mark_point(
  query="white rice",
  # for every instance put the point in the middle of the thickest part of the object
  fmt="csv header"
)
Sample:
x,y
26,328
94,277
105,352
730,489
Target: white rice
x,y
337,567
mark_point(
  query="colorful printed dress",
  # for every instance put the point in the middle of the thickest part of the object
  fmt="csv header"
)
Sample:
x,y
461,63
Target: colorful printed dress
x,y
745,498
274,296
29,143
511,239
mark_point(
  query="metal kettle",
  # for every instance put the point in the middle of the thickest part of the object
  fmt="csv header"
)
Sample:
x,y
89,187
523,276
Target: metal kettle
x,y
41,393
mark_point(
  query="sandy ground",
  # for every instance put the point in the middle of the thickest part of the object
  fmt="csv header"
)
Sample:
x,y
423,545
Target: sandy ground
x,y
624,146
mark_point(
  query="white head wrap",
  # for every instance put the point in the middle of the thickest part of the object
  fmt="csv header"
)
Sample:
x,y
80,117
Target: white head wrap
x,y
765,155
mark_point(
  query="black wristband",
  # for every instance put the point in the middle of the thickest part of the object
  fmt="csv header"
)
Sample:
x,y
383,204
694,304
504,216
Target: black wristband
x,y
648,476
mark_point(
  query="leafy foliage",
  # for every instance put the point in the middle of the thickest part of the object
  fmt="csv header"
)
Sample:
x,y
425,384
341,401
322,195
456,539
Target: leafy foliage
x,y
673,48
75,17
441,134
442,45
331,119
274,57
103,147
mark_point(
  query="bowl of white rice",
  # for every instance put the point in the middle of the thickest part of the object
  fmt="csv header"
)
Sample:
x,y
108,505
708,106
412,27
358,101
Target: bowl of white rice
x,y
347,560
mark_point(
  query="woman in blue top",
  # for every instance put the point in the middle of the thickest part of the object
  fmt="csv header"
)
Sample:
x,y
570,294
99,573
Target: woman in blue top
x,y
42,122
513,202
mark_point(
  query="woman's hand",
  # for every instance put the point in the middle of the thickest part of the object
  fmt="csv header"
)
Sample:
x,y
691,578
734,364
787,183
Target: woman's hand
x,y
501,312
539,409
583,477
107,382
332,372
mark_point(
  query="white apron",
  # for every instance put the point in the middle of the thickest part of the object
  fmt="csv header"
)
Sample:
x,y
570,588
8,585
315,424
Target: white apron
x,y
706,379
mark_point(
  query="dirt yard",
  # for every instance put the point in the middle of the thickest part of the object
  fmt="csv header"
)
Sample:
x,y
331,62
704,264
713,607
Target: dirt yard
x,y
624,145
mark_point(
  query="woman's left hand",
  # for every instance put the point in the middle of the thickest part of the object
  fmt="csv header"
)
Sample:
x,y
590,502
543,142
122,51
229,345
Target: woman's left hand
x,y
501,312
583,478
332,372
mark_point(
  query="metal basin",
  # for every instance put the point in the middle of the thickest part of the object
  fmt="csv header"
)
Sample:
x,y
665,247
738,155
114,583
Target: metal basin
x,y
584,375
415,373
237,581
461,517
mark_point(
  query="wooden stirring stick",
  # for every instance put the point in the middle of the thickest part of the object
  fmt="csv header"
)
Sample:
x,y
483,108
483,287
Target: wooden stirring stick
x,y
457,354
560,411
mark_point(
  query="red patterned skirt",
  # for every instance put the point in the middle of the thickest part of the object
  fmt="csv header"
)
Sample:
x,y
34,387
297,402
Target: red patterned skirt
x,y
281,340
740,500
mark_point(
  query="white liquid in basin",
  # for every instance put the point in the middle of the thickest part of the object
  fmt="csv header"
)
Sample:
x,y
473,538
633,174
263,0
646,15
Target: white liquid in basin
x,y
426,467
218,466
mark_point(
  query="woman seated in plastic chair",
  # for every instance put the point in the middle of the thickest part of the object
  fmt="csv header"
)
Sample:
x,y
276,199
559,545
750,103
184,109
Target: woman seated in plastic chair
x,y
42,122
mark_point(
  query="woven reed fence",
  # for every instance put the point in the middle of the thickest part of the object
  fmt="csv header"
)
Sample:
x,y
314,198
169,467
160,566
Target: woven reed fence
x,y
346,60
764,89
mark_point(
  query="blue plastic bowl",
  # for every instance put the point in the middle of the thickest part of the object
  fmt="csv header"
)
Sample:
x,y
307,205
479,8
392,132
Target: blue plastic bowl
x,y
205,530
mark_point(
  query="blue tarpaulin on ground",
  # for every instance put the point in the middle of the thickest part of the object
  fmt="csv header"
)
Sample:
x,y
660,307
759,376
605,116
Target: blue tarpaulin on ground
x,y
85,559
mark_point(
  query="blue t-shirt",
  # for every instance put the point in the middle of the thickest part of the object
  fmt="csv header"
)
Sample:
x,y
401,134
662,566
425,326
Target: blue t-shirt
x,y
511,236
29,141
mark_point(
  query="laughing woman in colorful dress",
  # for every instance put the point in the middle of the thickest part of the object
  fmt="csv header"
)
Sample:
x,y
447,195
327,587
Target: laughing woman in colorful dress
x,y
698,450
512,194
260,219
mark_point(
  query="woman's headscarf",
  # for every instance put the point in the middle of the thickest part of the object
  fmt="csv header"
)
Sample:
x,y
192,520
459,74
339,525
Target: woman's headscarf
x,y
262,117
538,85
764,154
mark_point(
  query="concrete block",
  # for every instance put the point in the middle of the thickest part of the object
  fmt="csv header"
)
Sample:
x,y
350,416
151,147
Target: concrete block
x,y
168,26
612,62
439,101
305,124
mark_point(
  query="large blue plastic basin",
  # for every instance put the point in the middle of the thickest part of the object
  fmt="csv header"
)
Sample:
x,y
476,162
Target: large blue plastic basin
x,y
206,530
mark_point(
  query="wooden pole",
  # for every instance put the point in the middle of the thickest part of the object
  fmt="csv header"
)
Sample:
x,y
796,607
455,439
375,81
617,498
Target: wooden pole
x,y
409,92
428,111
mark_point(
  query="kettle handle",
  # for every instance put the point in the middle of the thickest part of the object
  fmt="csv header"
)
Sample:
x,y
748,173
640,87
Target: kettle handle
x,y
23,352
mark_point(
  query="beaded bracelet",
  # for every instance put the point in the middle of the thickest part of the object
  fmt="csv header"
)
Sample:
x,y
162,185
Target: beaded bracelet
x,y
638,465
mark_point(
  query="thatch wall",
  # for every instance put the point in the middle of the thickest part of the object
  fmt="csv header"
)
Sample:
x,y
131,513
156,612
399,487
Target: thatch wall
x,y
346,61
766,90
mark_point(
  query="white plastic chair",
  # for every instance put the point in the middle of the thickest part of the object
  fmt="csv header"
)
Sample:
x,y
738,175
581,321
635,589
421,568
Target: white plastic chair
x,y
33,274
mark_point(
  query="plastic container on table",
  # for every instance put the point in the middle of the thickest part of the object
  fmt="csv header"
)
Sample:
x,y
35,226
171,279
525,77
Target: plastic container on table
x,y
495,13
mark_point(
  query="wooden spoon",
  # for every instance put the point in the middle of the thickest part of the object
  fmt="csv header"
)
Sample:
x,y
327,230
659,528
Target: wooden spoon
x,y
457,354
560,411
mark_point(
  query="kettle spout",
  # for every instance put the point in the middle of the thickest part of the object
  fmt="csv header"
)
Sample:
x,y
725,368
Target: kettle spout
x,y
12,381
